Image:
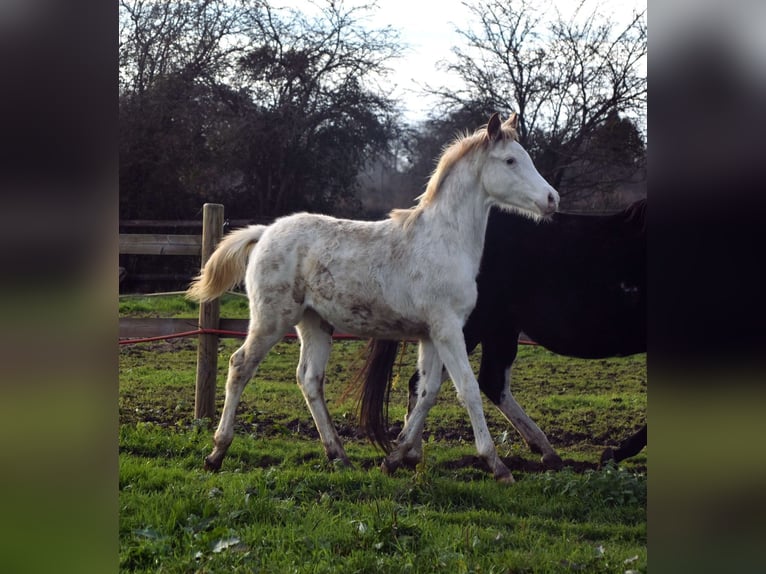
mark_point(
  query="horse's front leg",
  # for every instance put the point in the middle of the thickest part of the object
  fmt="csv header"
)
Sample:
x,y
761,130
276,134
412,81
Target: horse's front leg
x,y
451,347
471,342
409,449
498,354
534,437
412,398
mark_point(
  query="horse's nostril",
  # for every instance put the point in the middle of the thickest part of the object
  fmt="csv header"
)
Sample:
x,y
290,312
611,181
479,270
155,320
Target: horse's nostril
x,y
551,199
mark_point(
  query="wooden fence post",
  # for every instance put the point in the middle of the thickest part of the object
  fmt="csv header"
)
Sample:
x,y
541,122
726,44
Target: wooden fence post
x,y
209,314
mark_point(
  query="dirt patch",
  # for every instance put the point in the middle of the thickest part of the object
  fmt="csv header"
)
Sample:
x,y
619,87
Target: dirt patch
x,y
264,426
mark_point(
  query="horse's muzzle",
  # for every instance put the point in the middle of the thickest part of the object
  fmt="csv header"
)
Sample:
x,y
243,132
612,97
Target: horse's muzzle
x,y
552,205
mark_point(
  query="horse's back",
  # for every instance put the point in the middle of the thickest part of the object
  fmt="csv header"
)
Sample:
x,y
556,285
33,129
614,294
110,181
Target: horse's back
x,y
306,238
575,284
354,274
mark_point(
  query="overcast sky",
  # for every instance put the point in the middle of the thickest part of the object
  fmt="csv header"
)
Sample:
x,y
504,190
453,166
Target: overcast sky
x,y
427,28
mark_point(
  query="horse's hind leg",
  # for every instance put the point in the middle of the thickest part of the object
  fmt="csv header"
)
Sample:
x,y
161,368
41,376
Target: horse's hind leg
x,y
242,366
316,340
629,447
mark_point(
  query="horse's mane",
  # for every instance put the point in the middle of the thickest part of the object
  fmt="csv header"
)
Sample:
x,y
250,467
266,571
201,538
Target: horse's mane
x,y
462,145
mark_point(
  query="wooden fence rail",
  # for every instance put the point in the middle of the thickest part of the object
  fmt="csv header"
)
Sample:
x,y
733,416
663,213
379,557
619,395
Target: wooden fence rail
x,y
160,244
207,348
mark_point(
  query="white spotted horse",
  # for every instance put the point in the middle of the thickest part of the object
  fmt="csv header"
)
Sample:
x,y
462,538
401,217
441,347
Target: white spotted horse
x,y
412,275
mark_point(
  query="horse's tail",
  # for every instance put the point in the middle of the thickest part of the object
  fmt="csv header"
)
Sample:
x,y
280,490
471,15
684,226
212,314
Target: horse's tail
x,y
376,389
226,266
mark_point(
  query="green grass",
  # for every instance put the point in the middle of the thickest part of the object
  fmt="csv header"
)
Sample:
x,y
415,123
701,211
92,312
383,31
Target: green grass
x,y
278,510
233,306
279,506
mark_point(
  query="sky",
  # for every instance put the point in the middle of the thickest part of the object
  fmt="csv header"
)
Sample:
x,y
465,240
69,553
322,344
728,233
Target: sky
x,y
427,28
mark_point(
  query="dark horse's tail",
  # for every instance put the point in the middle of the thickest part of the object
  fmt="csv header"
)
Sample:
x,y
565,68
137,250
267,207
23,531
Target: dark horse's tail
x,y
377,375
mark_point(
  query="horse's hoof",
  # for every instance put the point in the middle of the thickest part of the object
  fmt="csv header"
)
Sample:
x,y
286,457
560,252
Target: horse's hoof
x,y
388,468
412,460
342,461
552,461
505,477
212,465
606,457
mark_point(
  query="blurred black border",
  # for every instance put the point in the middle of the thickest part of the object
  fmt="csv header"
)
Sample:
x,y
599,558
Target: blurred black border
x,y
58,252
706,329
58,225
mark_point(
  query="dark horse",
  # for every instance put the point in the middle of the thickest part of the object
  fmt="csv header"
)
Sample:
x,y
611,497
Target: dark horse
x,y
575,285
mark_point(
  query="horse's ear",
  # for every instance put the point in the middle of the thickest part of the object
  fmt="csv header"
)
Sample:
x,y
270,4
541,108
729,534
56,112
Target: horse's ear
x,y
493,127
513,121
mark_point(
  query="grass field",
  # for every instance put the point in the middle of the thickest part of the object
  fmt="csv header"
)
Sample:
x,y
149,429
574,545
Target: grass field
x,y
279,506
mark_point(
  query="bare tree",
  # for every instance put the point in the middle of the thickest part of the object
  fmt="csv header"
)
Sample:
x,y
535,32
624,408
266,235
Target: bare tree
x,y
568,78
312,78
197,38
266,110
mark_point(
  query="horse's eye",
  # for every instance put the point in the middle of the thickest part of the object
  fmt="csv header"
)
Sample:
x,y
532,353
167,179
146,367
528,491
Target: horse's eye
x,y
510,161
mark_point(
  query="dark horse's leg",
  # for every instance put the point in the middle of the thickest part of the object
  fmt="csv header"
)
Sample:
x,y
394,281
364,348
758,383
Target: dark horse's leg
x,y
629,447
498,354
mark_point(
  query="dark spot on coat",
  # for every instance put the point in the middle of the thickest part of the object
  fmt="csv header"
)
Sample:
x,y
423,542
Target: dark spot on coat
x,y
299,290
324,282
362,310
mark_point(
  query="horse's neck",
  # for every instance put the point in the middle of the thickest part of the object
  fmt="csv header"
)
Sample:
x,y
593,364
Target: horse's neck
x,y
460,213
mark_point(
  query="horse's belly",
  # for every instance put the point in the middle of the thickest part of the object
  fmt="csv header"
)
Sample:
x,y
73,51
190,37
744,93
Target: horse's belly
x,y
358,301
373,320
